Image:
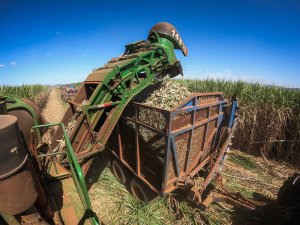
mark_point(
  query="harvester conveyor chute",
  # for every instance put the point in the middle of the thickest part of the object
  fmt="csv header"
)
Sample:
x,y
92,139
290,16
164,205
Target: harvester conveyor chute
x,y
100,101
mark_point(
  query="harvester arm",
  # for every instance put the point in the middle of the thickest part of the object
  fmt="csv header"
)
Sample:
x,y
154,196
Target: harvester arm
x,y
100,101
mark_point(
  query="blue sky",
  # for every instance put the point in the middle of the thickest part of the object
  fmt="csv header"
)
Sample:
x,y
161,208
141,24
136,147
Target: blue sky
x,y
56,41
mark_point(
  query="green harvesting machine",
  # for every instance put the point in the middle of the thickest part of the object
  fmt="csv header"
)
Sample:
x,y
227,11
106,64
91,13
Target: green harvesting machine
x,y
42,177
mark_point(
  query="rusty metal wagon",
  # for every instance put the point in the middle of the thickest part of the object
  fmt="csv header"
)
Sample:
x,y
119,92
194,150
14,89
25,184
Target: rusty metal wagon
x,y
165,149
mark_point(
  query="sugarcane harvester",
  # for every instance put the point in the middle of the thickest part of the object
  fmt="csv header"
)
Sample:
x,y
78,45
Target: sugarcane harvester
x,y
105,92
41,180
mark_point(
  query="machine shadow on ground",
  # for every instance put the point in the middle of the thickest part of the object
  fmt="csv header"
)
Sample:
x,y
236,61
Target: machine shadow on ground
x,y
100,162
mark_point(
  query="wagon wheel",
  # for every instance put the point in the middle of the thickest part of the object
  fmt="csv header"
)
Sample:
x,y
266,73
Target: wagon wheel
x,y
119,171
287,209
141,191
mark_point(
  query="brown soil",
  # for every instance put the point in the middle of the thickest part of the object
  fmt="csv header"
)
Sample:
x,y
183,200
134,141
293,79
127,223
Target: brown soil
x,y
54,109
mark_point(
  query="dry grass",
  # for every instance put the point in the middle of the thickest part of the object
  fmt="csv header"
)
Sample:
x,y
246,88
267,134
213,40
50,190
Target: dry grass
x,y
165,95
115,205
255,177
269,116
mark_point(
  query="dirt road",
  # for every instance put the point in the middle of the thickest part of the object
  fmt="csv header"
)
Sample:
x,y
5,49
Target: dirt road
x,y
54,109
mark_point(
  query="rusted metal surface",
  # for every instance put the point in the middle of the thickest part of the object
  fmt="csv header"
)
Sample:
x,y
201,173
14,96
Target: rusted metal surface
x,y
17,188
98,76
12,154
24,176
66,189
222,194
166,157
67,202
170,31
218,160
26,121
32,216
42,202
17,192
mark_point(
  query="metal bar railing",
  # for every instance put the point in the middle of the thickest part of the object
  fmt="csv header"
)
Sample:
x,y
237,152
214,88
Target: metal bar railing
x,y
76,172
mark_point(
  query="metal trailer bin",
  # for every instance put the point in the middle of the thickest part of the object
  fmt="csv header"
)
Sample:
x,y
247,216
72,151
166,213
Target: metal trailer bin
x,y
166,148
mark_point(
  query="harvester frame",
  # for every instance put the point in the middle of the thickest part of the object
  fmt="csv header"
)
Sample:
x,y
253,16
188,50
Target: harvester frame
x,y
89,122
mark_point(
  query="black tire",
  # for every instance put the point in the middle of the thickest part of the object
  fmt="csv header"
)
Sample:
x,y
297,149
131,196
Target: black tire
x,y
119,171
289,199
289,190
140,191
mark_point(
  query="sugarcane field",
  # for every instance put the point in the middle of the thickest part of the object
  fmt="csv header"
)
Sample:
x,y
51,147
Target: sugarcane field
x,y
184,112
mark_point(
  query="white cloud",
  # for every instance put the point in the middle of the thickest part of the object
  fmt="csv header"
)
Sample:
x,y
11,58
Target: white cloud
x,y
13,63
2,65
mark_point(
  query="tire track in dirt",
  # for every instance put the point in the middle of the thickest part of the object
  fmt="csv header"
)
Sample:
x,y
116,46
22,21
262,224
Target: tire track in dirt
x,y
54,109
